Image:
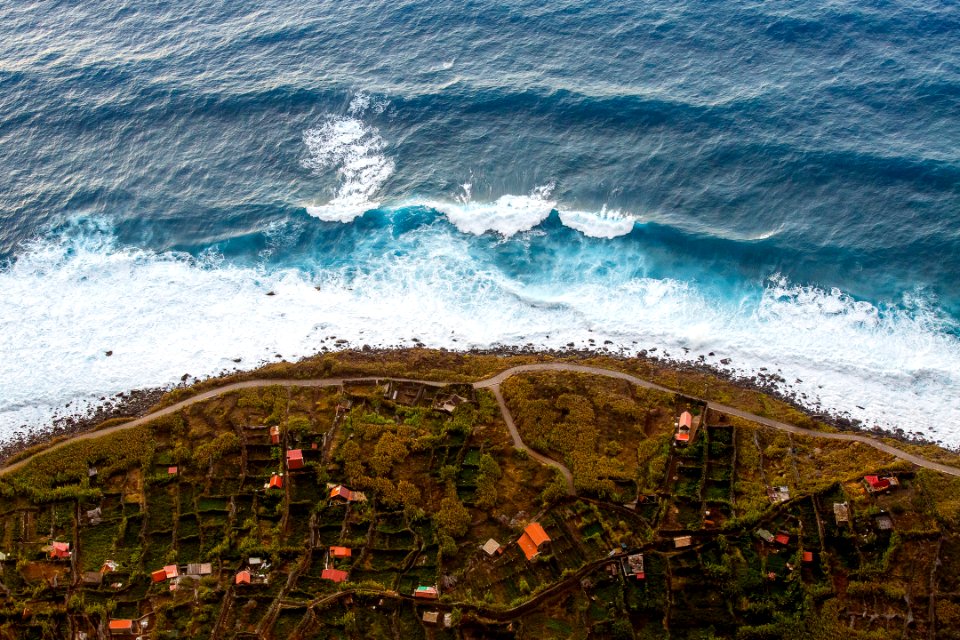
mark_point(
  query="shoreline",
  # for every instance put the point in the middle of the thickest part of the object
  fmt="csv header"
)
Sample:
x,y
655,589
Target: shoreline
x,y
137,403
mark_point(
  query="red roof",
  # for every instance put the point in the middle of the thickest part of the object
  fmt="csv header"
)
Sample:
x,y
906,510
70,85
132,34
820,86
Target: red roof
x,y
808,556
276,482
171,571
341,491
536,533
782,538
533,536
295,458
877,483
121,625
340,552
429,593
334,574
683,437
686,420
242,578
172,471
60,550
159,575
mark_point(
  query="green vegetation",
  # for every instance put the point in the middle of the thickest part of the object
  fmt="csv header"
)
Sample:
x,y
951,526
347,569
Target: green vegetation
x,y
425,489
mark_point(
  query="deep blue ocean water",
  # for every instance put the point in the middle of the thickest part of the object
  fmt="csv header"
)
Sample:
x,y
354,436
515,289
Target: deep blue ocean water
x,y
773,183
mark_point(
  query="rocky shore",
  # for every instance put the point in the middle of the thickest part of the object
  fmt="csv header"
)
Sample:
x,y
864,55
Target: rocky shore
x,y
136,403
130,404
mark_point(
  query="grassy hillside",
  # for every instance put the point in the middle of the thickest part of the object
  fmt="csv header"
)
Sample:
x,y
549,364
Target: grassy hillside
x,y
425,488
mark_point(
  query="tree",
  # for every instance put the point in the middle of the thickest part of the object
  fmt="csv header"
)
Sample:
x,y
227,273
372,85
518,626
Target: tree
x,y
453,518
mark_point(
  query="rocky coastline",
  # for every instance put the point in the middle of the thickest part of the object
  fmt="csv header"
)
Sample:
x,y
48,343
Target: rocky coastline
x,y
136,403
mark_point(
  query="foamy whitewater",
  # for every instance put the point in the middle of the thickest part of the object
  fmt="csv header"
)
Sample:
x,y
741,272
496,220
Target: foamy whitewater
x,y
773,185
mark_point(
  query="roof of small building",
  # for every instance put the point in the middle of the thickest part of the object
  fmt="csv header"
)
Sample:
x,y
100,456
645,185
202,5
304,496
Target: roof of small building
x,y
334,574
340,552
491,546
171,571
243,577
159,575
808,556
841,511
683,437
536,533
682,541
276,482
172,471
341,491
876,482
431,617
120,625
782,538
686,420
295,454
425,592
526,545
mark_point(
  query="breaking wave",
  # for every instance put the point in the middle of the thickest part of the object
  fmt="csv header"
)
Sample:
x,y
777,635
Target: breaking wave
x,y
72,298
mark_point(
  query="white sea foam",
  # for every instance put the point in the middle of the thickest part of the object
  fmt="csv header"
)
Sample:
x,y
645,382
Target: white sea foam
x,y
603,224
508,215
356,151
67,301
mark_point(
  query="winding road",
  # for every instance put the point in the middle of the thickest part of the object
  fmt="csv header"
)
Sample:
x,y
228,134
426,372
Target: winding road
x,y
493,384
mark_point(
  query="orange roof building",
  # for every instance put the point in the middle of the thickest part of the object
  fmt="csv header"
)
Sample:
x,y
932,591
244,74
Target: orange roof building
x,y
686,420
532,540
340,552
120,626
340,492
159,575
60,550
295,459
172,471
242,578
334,574
276,482
171,571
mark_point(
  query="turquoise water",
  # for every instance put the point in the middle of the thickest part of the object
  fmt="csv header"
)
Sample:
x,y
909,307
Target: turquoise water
x,y
776,184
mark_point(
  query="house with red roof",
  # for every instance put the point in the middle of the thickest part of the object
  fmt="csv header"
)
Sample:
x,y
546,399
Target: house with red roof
x,y
684,425
334,574
276,482
878,484
426,593
120,627
60,551
342,494
533,540
171,571
158,576
295,459
782,538
243,577
340,552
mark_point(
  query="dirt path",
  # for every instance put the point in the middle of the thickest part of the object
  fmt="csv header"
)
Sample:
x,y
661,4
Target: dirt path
x,y
494,385
519,443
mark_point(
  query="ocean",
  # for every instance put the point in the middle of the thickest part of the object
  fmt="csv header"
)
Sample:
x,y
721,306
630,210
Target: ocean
x,y
761,184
